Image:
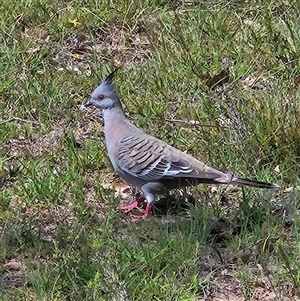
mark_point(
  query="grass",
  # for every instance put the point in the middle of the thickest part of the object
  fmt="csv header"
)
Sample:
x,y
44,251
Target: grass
x,y
219,80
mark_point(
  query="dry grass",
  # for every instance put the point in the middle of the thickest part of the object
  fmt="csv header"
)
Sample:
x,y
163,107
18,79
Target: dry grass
x,y
219,80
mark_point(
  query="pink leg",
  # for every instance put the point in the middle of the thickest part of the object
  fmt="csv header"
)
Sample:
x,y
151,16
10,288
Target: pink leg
x,y
146,213
129,207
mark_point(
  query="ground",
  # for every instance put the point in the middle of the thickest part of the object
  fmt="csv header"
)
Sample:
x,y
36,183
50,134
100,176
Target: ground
x,y
219,80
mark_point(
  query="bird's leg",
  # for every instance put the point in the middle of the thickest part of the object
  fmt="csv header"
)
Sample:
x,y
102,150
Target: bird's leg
x,y
146,213
135,205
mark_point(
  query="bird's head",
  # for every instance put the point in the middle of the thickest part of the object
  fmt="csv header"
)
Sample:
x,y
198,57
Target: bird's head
x,y
105,95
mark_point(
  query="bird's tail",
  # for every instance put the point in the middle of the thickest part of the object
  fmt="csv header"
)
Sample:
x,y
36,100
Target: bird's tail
x,y
254,183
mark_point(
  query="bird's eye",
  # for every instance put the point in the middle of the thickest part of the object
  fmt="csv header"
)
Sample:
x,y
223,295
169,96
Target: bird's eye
x,y
100,97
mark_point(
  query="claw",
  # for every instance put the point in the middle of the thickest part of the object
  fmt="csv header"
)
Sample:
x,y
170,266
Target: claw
x,y
135,205
146,213
129,207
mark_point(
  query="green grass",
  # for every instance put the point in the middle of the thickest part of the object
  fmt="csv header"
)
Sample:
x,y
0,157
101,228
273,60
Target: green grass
x,y
219,80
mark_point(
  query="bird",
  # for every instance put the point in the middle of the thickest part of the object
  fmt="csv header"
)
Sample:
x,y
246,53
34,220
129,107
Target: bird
x,y
150,164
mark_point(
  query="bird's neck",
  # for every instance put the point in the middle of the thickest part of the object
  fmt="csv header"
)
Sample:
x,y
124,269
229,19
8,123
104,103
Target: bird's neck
x,y
114,118
115,122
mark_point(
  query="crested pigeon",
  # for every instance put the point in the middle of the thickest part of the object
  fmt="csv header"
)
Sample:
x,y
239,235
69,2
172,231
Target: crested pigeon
x,y
147,162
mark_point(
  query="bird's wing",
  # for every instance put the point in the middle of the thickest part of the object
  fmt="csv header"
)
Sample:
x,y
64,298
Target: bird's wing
x,y
151,159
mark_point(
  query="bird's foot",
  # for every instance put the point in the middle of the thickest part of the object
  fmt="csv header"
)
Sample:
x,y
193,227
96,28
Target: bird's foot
x,y
129,207
146,213
135,205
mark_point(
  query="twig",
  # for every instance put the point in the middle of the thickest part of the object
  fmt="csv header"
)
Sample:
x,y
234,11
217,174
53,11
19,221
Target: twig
x,y
20,120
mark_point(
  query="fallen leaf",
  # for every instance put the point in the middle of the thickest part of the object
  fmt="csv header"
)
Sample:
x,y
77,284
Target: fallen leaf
x,y
245,255
218,79
265,244
297,81
277,169
12,266
288,189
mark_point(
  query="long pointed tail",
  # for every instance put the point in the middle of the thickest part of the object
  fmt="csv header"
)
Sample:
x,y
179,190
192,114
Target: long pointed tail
x,y
254,183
